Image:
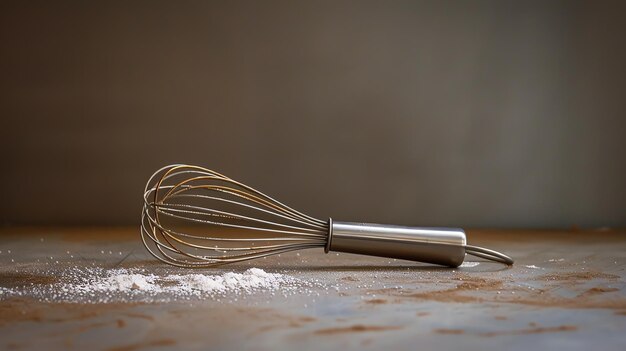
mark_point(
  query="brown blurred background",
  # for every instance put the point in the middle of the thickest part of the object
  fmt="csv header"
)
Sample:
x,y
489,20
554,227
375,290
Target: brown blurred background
x,y
456,113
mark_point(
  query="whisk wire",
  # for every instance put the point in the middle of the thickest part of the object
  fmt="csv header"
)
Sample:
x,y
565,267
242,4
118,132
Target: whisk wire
x,y
165,242
168,209
249,190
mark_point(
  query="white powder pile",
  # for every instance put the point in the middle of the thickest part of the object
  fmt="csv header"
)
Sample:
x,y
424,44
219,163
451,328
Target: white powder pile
x,y
251,279
121,280
98,285
5,291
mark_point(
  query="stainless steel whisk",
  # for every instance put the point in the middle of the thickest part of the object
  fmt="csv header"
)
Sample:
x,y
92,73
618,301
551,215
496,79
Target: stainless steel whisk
x,y
195,217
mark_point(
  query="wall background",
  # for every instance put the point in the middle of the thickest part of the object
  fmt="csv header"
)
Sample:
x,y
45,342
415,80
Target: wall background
x,y
474,113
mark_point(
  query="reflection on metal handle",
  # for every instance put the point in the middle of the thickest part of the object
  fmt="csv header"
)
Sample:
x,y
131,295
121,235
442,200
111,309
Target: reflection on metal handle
x,y
444,246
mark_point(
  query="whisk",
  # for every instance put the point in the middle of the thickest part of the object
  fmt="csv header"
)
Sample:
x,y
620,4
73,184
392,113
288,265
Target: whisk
x,y
196,217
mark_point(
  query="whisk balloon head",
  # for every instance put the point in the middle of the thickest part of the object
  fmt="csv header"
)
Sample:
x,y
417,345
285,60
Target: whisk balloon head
x,y
195,217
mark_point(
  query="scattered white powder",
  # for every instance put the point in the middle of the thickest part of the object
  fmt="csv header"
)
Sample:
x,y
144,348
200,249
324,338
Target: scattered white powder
x,y
556,260
532,266
469,264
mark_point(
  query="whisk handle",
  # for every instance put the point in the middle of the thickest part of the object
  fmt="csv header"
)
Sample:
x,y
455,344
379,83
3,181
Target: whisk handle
x,y
443,246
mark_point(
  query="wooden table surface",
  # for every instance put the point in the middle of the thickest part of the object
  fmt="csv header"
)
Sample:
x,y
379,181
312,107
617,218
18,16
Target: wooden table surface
x,y
567,290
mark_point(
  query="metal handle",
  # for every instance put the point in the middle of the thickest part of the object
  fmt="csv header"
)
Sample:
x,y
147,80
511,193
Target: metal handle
x,y
444,246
